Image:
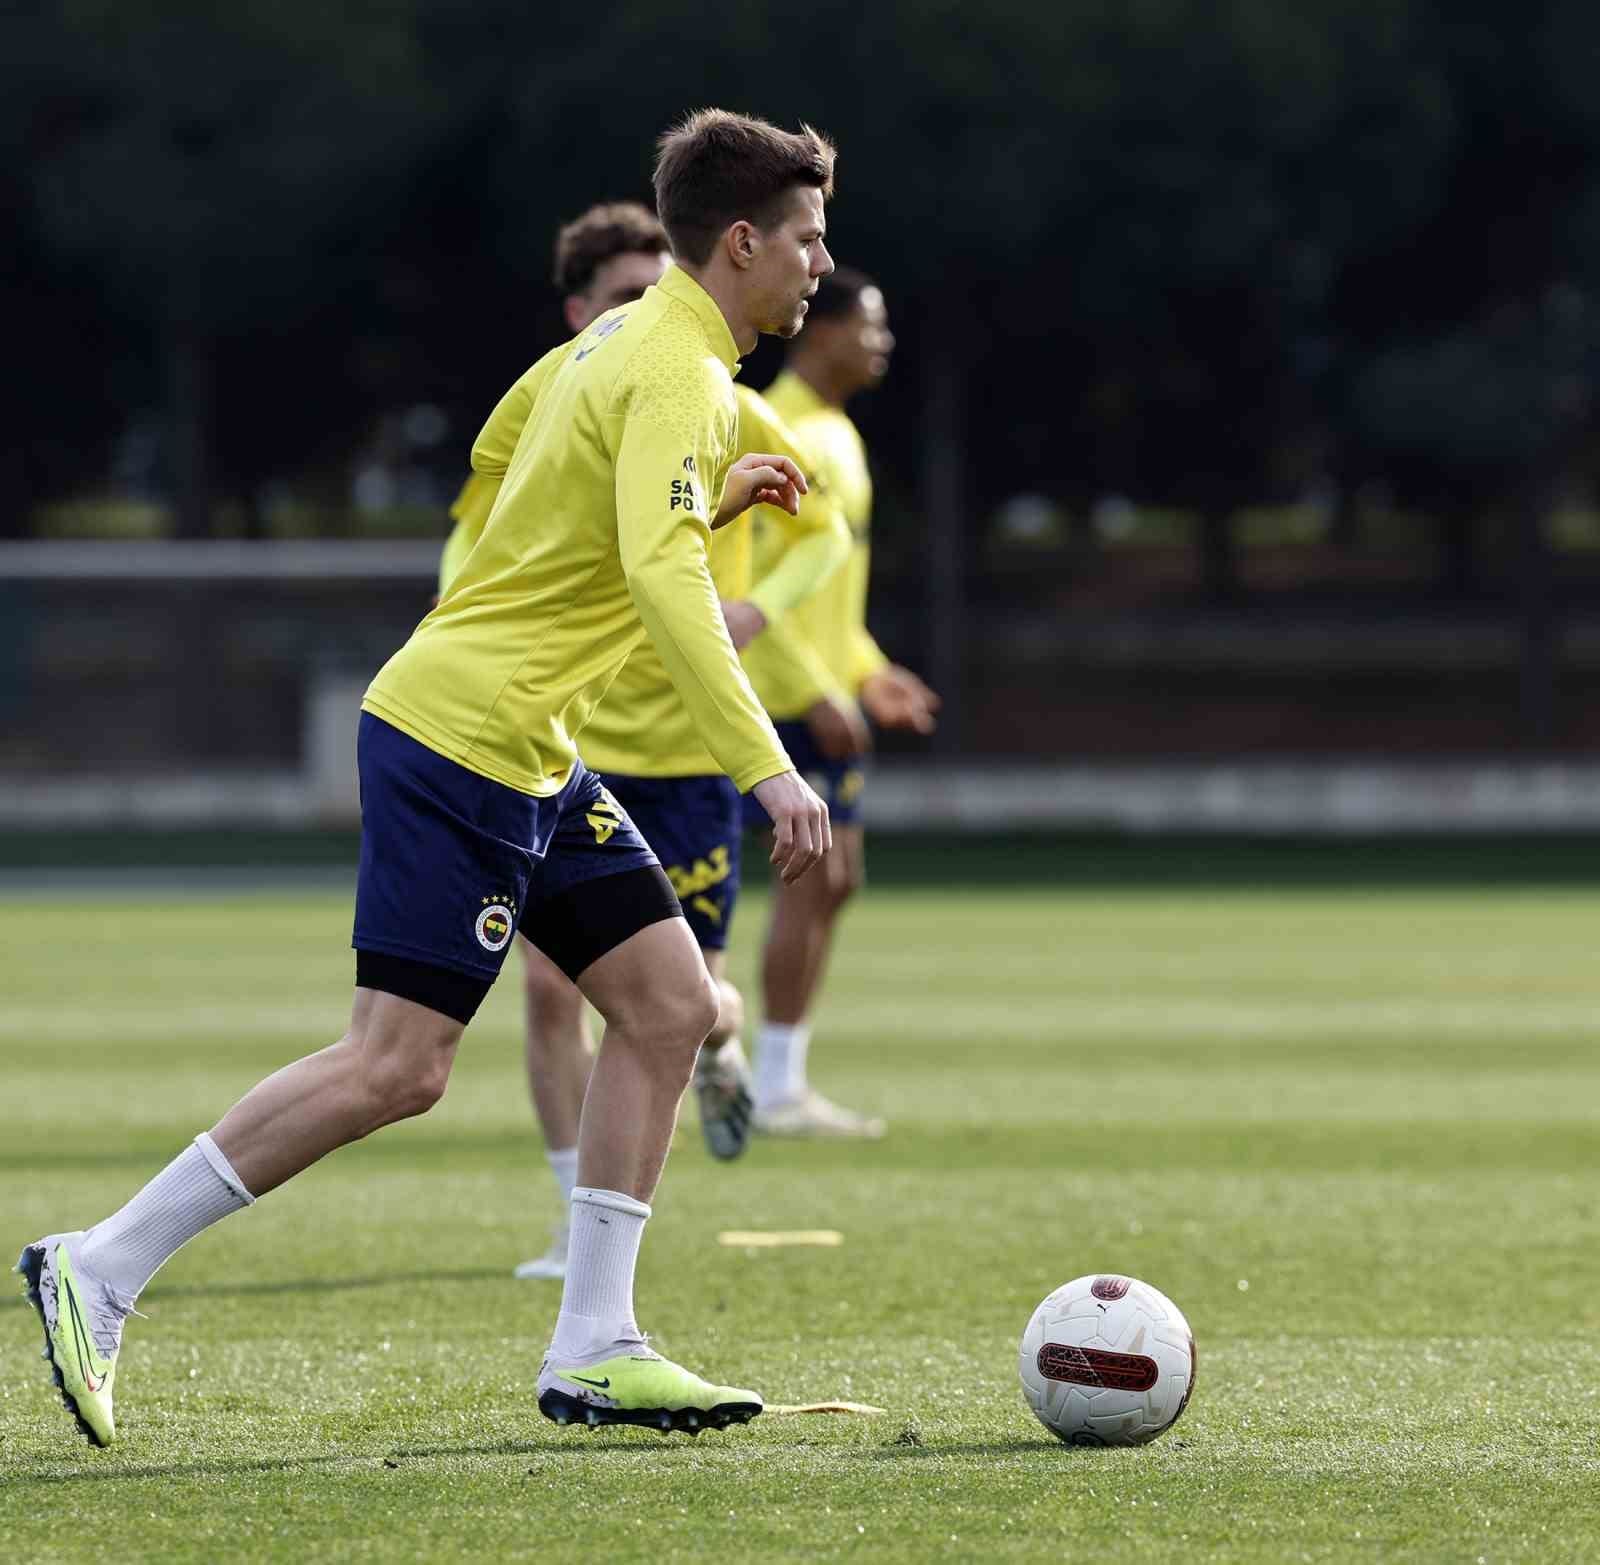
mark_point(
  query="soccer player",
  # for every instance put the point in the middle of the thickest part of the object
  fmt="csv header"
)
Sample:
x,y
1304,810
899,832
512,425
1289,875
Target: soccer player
x,y
478,818
641,739
844,350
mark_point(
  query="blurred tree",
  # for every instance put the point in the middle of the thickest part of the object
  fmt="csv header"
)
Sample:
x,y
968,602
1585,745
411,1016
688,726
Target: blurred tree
x,y
1476,346
215,167
1182,251
1124,222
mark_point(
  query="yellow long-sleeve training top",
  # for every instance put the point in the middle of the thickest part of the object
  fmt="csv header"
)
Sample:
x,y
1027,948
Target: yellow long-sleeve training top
x,y
642,728
597,537
833,620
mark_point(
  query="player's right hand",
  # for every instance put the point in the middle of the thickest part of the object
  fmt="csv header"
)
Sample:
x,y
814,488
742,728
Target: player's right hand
x,y
760,480
839,729
800,828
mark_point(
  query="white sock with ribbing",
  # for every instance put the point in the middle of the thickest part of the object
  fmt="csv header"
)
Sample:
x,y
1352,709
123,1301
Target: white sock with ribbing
x,y
564,1165
596,1319
196,1189
780,1063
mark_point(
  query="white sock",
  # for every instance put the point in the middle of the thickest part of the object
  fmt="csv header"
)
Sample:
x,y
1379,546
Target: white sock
x,y
192,1192
564,1165
780,1063
597,1301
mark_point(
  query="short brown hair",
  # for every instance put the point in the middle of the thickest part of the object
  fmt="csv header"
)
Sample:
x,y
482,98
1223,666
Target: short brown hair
x,y
613,228
717,167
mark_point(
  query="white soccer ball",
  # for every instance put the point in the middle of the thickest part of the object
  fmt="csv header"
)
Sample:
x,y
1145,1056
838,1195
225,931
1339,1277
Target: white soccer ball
x,y
1107,1360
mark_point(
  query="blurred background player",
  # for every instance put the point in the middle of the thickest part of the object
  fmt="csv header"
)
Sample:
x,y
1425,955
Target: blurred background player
x,y
641,739
817,693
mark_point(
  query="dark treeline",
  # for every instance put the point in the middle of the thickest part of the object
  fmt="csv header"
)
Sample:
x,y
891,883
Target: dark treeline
x,y
1200,254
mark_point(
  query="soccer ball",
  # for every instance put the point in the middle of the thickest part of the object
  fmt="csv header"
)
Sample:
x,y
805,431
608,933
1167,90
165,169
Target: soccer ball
x,y
1107,1361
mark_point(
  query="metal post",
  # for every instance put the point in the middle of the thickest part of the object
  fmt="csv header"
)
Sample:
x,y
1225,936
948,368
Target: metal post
x,y
944,490
1541,629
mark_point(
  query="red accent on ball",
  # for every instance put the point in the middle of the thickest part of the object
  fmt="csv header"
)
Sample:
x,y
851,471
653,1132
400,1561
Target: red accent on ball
x,y
1098,1368
1110,1288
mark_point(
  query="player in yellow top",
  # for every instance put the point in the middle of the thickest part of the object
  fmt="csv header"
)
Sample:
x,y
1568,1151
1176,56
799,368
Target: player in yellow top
x,y
478,818
641,741
844,349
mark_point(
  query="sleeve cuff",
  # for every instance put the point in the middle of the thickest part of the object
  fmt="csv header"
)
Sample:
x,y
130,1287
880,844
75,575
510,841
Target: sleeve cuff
x,y
762,598
747,779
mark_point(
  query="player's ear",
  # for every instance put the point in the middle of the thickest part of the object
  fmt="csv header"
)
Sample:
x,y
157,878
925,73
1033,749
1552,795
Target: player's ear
x,y
743,243
576,310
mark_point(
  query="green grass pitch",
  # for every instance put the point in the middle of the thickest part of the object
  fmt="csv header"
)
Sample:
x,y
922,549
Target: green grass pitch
x,y
1353,1131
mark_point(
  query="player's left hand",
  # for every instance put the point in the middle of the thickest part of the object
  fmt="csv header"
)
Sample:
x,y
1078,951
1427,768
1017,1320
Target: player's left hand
x,y
801,832
761,480
895,698
744,620
839,729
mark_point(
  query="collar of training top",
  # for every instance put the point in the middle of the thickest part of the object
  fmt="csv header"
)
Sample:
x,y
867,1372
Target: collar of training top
x,y
799,394
681,286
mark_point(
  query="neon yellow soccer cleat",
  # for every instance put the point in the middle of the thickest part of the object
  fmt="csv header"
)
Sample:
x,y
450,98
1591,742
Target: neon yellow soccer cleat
x,y
641,1388
82,1332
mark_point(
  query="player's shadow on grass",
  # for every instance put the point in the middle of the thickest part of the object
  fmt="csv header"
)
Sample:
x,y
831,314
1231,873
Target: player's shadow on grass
x,y
185,1469
556,1445
225,1290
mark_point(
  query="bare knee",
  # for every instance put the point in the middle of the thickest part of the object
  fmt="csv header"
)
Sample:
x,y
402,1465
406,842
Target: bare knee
x,y
655,994
690,1010
847,866
730,1013
402,1071
668,1033
396,1087
844,881
680,1017
838,879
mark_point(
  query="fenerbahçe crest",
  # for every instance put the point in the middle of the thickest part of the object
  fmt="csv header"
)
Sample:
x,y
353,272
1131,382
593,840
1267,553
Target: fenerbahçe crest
x,y
496,923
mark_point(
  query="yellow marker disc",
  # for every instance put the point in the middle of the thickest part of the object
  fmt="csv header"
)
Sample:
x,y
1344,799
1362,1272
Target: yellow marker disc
x,y
771,1239
866,1409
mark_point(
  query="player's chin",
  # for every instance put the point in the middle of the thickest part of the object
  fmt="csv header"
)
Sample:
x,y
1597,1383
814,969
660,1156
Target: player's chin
x,y
791,327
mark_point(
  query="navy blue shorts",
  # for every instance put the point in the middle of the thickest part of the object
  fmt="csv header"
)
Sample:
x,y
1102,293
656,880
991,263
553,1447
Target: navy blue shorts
x,y
693,825
452,864
840,783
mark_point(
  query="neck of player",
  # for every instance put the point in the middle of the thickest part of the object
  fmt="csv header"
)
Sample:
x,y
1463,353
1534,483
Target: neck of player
x,y
820,376
726,295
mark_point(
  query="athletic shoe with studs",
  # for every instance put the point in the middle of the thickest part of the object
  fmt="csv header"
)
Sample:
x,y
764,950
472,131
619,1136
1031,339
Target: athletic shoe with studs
x,y
640,1388
722,1086
82,1330
815,1115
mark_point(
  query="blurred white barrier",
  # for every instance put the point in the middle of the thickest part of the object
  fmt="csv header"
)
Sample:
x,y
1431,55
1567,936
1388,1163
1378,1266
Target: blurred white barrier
x,y
1269,797
332,709
1266,797
221,560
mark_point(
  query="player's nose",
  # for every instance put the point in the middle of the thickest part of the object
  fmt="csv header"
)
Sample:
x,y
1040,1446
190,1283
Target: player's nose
x,y
821,261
